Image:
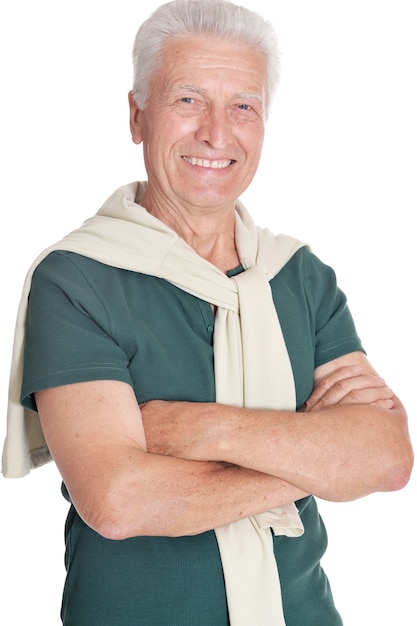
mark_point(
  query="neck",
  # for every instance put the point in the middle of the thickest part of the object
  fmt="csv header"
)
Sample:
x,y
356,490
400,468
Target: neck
x,y
210,234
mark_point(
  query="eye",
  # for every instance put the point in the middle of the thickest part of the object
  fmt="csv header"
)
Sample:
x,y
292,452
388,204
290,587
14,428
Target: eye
x,y
187,105
245,112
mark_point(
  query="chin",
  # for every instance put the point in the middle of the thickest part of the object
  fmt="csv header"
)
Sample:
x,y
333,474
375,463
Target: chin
x,y
209,195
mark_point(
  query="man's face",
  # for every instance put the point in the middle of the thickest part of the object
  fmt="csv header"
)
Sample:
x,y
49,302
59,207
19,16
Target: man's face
x,y
203,125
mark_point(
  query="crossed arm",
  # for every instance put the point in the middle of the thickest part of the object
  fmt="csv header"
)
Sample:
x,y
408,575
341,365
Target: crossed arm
x,y
348,442
182,468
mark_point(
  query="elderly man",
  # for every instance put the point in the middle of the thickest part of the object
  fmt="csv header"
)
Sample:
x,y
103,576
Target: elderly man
x,y
197,380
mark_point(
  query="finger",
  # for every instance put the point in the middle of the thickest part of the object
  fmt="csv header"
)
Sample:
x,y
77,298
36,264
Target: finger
x,y
324,384
384,404
359,389
368,395
333,388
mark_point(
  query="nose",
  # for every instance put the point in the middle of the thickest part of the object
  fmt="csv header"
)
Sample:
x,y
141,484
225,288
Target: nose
x,y
215,127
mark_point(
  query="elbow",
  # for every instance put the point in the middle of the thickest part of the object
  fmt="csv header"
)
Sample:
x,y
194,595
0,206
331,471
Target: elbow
x,y
394,471
116,518
399,473
397,461
110,522
117,528
113,528
391,474
109,514
119,519
398,480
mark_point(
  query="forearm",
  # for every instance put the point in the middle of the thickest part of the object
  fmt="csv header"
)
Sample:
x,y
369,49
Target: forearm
x,y
339,453
164,496
121,489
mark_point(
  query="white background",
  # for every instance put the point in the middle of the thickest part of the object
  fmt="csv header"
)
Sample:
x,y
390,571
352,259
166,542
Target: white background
x,y
338,171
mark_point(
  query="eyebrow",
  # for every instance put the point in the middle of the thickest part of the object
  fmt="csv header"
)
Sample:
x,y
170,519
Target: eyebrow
x,y
202,91
249,95
186,87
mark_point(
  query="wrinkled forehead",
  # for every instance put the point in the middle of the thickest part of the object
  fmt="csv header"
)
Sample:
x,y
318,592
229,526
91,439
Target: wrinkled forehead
x,y
192,60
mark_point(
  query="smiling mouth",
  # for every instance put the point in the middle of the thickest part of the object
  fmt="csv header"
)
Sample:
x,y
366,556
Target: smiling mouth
x,y
219,164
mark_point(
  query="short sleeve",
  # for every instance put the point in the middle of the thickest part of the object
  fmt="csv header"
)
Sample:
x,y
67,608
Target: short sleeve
x,y
69,336
334,329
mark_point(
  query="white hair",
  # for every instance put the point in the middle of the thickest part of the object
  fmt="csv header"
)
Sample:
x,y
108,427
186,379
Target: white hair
x,y
184,18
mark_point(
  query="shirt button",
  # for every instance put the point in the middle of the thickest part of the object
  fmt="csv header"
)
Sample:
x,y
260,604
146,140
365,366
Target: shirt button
x,y
210,328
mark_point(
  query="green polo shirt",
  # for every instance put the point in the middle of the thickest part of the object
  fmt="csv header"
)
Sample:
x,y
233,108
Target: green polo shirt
x,y
88,321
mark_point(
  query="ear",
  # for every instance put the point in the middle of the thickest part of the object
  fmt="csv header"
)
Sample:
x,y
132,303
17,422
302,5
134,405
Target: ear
x,y
135,119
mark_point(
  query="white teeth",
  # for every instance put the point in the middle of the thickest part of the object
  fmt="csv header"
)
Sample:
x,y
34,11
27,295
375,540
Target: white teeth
x,y
205,163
